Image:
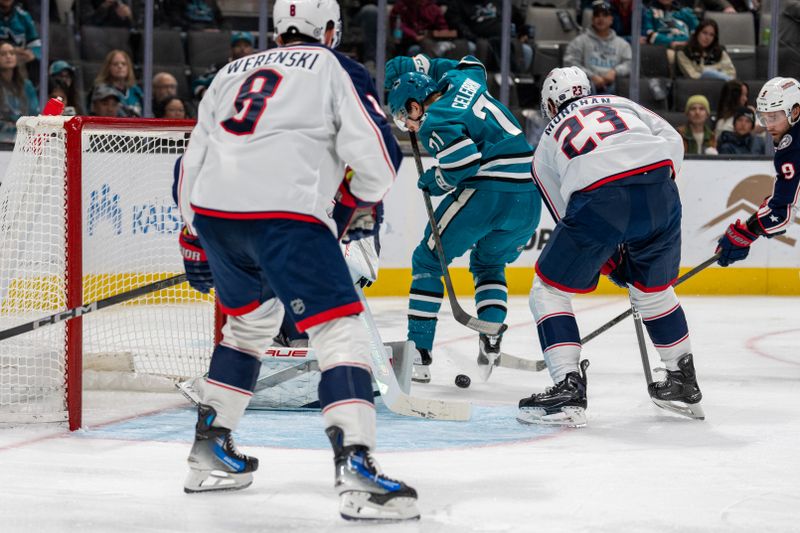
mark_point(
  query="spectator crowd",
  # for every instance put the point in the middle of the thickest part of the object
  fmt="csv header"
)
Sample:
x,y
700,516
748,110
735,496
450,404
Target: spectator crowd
x,y
688,74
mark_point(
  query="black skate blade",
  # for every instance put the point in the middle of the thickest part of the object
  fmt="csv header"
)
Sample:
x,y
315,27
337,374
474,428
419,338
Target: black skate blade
x,y
689,410
377,519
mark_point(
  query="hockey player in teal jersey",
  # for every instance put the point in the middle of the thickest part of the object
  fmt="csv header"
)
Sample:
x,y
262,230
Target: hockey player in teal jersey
x,y
482,164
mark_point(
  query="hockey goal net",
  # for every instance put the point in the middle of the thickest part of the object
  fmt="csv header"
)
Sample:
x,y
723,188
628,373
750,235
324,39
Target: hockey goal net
x,y
86,212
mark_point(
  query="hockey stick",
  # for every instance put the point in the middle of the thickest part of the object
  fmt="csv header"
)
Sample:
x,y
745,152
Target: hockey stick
x,y
537,365
394,398
462,317
625,314
637,323
69,314
693,411
520,363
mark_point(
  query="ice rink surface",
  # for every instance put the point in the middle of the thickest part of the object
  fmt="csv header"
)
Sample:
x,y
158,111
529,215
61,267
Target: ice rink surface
x,y
633,468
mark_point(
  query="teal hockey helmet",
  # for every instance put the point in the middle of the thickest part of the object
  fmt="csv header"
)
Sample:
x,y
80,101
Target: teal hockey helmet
x,y
411,86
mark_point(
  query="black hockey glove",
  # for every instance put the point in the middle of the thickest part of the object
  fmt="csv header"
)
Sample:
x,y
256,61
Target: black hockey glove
x,y
616,268
355,219
198,273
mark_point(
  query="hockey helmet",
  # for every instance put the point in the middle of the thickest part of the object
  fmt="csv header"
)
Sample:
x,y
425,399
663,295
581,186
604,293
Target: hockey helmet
x,y
778,94
561,86
410,86
308,17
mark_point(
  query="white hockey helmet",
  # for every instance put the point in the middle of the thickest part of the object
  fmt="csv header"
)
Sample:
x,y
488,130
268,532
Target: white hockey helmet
x,y
561,86
308,17
778,94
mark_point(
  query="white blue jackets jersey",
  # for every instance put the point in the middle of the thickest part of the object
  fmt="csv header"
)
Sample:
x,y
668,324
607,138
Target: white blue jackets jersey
x,y
477,142
581,150
274,131
777,211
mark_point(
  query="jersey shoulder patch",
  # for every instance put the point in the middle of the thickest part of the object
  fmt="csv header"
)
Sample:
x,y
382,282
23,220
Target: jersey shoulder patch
x,y
786,142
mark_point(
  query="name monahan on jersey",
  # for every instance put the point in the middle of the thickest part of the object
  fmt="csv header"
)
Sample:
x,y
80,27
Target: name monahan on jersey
x,y
260,150
580,149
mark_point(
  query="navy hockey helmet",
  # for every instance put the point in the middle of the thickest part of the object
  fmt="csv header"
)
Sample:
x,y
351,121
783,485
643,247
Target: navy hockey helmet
x,y
411,86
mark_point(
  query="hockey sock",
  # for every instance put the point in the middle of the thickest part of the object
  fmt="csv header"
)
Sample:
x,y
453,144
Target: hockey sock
x,y
491,298
558,331
231,380
346,399
666,325
424,302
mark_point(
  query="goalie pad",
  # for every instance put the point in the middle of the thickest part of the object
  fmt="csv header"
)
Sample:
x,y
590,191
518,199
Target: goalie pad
x,y
289,377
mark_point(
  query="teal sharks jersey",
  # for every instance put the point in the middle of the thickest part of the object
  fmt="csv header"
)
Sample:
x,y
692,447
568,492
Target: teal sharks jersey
x,y
476,141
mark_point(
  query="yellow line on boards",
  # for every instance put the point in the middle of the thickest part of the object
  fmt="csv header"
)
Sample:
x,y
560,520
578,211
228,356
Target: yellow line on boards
x,y
712,281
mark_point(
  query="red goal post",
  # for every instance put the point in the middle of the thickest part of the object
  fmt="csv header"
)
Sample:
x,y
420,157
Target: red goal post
x,y
86,211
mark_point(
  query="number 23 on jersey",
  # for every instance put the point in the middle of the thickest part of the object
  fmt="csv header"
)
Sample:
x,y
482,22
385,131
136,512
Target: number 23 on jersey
x,y
598,123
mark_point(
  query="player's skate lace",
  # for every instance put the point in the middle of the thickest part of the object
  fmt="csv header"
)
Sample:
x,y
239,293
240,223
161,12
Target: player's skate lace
x,y
214,462
365,492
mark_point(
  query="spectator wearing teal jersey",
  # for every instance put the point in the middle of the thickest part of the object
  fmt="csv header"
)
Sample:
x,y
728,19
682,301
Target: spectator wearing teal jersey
x,y
17,94
666,24
17,27
482,164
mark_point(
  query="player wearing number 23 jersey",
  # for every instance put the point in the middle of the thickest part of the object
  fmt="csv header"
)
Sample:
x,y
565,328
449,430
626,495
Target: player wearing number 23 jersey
x,y
605,166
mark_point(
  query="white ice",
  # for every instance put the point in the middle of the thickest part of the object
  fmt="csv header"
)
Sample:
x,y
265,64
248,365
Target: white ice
x,y
634,468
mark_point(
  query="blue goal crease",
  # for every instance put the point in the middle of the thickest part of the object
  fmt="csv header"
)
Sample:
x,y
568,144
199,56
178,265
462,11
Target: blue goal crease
x,y
304,429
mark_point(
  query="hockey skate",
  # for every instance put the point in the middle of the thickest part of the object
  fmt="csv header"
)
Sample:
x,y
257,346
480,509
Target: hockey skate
x,y
421,371
488,354
214,462
563,404
679,392
365,493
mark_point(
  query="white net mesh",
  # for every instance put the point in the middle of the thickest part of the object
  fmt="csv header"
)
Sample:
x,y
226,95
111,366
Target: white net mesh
x,y
129,238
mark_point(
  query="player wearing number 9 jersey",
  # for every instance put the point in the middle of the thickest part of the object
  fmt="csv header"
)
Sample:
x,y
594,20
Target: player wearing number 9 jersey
x,y
605,166
262,167
778,108
482,163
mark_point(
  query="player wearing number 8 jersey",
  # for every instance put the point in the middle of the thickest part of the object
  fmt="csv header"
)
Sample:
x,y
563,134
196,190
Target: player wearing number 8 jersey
x,y
482,163
605,166
264,164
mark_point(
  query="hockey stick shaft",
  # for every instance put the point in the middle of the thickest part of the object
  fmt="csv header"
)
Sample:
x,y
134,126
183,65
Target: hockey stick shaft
x,y
461,316
637,324
625,314
393,397
81,310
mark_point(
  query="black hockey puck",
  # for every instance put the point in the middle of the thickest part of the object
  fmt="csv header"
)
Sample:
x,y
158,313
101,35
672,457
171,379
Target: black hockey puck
x,y
463,381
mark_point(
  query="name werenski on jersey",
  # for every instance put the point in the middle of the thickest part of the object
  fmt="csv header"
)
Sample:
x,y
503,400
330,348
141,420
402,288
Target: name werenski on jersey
x,y
572,107
466,93
296,59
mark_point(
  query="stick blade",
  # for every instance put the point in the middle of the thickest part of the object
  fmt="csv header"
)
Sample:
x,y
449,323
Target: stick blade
x,y
481,326
432,409
520,363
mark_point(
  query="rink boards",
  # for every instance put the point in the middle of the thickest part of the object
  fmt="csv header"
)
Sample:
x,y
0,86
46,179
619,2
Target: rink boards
x,y
714,193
